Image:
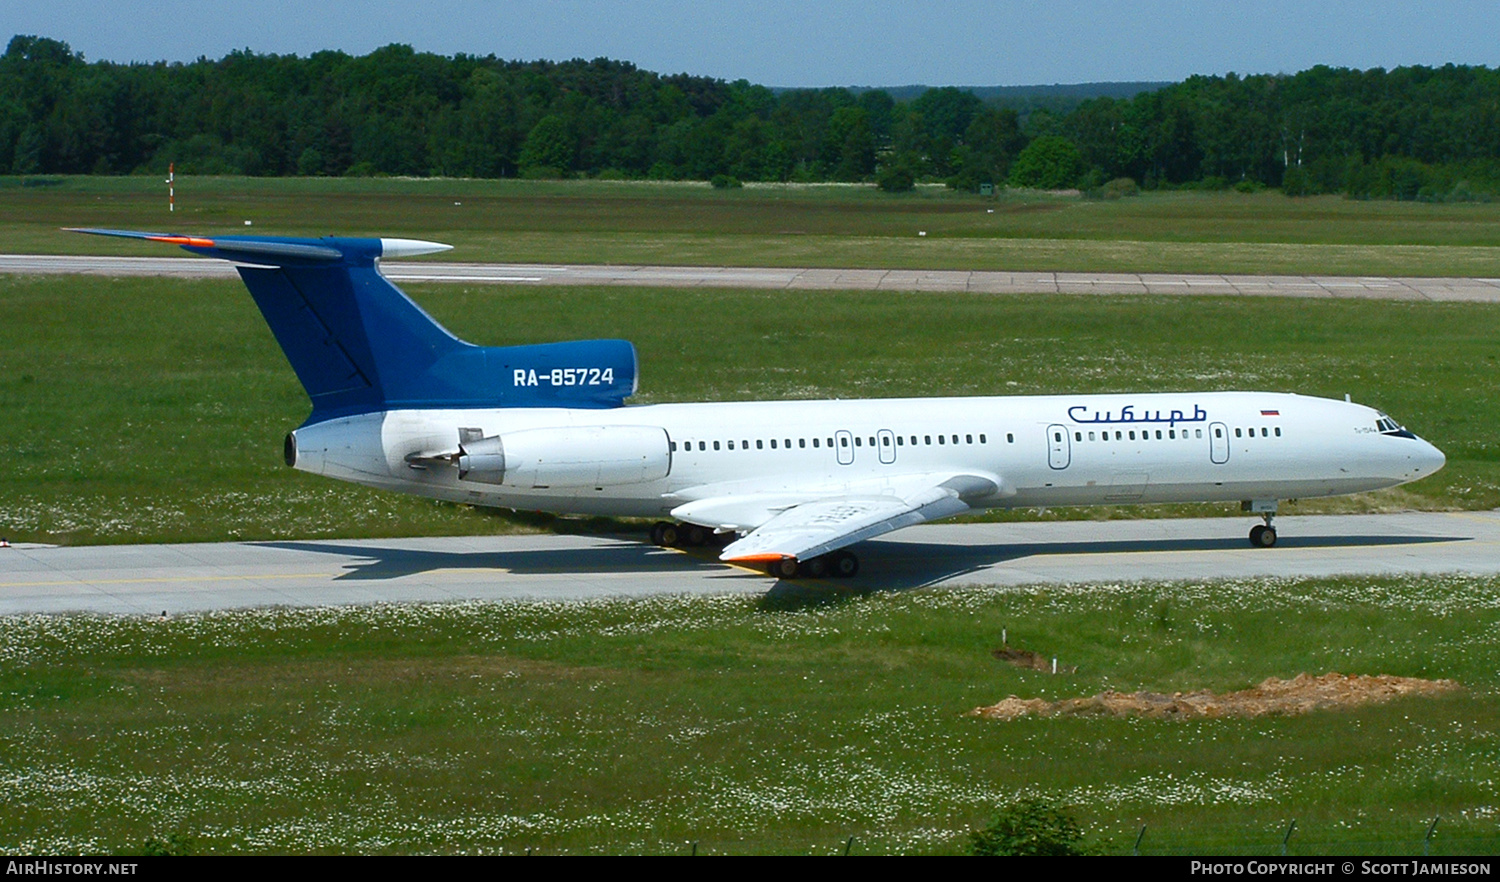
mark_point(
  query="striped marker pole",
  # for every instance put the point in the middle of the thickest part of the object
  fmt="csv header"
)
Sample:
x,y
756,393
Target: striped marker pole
x,y
171,186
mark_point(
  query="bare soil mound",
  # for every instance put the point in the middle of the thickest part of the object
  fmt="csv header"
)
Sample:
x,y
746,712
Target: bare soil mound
x,y
1299,695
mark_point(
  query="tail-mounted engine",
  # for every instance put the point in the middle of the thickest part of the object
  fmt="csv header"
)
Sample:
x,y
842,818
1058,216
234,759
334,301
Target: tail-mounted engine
x,y
572,457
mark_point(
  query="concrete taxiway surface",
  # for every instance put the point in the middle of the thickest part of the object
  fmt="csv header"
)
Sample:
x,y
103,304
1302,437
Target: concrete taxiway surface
x,y
151,579
1373,287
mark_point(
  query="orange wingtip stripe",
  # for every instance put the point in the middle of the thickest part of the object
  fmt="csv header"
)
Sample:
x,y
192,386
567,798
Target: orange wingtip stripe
x,y
183,240
757,558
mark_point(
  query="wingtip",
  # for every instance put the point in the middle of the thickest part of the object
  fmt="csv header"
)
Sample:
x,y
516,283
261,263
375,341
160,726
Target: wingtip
x,y
756,558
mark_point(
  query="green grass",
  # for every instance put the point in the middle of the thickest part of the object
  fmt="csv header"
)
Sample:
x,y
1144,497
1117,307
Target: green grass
x,y
153,410
782,724
788,225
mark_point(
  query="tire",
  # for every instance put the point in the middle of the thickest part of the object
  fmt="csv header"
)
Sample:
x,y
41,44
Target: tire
x,y
786,568
665,535
1262,536
843,565
694,536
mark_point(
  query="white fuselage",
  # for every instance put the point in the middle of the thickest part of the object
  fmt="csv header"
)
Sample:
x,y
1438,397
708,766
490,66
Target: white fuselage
x,y
1040,450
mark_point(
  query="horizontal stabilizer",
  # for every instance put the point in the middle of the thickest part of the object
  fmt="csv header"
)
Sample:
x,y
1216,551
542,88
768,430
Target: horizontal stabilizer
x,y
279,250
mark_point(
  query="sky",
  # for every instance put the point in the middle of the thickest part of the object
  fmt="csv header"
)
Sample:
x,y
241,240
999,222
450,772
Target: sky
x,y
788,43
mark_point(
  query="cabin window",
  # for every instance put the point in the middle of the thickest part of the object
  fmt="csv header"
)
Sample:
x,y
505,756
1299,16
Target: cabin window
x,y
955,439
1264,432
1077,436
981,438
1237,433
858,442
1171,433
929,440
801,442
731,445
885,442
968,439
674,446
716,445
900,440
788,444
1010,438
702,445
1278,431
1199,433
1092,437
830,442
940,439
773,443
1132,434
815,442
914,440
744,445
760,444
1158,434
844,442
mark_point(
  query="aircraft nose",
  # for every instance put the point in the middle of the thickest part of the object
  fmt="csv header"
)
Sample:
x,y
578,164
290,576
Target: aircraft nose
x,y
1428,459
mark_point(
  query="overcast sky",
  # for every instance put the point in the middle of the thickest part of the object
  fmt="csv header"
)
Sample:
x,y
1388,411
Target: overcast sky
x,y
788,43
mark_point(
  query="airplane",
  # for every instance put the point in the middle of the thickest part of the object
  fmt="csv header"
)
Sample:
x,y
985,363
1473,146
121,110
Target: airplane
x,y
399,403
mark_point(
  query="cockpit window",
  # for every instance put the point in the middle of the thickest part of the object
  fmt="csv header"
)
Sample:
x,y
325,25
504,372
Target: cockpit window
x,y
1388,426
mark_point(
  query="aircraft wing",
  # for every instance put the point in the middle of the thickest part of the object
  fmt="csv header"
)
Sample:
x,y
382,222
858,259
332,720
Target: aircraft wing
x,y
819,524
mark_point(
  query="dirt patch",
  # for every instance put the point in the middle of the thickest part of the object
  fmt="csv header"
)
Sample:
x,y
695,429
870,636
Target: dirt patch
x,y
1298,695
1025,658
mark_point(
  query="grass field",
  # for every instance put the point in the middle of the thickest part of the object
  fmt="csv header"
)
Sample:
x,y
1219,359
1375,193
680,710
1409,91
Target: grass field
x,y
153,410
771,725
820,226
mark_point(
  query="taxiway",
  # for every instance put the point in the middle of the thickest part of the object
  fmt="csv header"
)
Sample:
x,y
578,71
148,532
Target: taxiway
x,y
808,279
152,579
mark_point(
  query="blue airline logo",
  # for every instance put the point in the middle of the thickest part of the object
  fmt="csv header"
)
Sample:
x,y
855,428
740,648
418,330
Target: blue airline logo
x,y
1081,414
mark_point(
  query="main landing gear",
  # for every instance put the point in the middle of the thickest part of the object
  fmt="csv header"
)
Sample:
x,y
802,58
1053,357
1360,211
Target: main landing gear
x,y
838,564
670,535
1262,535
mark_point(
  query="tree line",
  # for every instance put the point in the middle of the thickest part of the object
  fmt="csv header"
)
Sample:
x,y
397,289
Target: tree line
x,y
1406,133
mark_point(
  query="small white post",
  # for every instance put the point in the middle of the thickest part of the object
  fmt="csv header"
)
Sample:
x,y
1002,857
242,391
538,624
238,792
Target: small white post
x,y
171,186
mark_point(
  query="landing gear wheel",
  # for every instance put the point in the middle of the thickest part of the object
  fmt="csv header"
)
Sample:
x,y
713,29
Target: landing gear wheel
x,y
1262,536
694,536
665,534
786,568
816,568
843,564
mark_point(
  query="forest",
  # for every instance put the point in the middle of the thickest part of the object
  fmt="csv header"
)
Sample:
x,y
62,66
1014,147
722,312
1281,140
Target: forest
x,y
1405,133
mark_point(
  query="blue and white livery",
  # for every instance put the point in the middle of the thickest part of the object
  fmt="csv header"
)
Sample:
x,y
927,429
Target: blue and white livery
x,y
401,404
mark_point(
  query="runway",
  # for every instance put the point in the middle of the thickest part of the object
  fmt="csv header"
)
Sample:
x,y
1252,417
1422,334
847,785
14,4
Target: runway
x,y
152,579
809,279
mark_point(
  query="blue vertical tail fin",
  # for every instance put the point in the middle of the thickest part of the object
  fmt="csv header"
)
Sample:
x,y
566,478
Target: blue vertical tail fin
x,y
359,344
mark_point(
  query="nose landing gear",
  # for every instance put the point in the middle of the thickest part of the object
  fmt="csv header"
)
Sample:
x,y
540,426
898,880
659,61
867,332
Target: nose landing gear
x,y
1261,535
